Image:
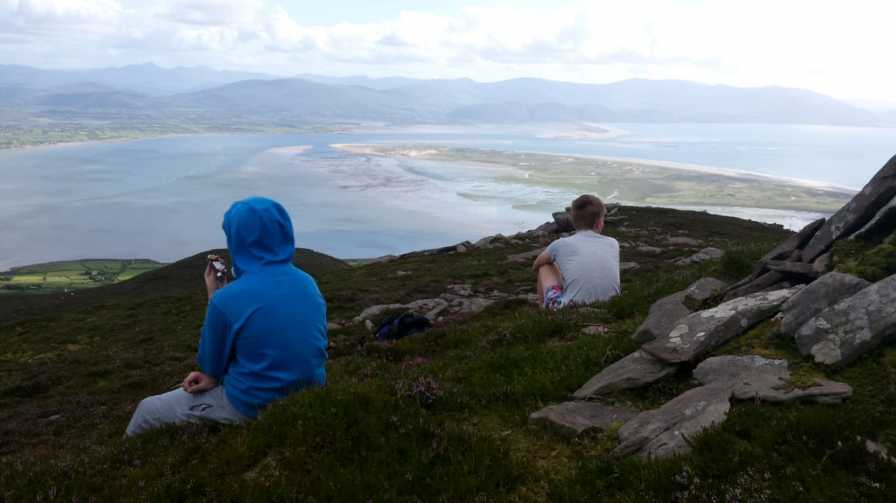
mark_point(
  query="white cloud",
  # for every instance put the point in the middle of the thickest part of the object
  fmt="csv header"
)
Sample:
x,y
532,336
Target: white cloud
x,y
841,49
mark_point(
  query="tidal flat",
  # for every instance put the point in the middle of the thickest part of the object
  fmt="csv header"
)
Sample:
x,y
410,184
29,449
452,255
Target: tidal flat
x,y
629,181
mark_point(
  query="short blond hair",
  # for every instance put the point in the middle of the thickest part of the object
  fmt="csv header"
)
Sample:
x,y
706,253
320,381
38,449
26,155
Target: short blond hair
x,y
587,210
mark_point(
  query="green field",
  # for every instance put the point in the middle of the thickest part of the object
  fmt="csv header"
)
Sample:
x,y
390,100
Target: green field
x,y
71,275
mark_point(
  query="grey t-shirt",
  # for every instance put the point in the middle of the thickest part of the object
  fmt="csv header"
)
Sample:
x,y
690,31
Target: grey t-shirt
x,y
589,263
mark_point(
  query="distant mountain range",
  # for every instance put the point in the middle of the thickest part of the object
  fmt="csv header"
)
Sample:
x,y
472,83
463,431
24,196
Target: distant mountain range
x,y
152,91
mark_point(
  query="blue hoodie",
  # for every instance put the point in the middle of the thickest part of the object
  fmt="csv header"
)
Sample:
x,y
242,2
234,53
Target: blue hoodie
x,y
265,334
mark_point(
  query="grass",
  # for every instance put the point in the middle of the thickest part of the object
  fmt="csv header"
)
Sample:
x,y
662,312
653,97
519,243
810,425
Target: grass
x,y
441,416
72,275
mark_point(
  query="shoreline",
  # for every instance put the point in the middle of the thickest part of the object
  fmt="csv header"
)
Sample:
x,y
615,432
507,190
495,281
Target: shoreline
x,y
422,150
108,141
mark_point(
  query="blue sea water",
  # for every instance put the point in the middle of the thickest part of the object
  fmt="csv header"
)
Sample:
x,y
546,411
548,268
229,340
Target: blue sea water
x,y
164,198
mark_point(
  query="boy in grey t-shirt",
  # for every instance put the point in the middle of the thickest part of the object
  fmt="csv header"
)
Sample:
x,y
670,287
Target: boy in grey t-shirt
x,y
582,268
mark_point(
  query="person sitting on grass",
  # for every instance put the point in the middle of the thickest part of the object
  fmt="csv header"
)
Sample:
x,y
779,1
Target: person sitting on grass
x,y
582,268
264,336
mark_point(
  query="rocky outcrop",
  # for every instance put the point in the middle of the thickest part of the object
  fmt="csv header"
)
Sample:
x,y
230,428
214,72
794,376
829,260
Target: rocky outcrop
x,y
881,226
851,327
573,418
698,333
757,378
459,301
683,241
525,257
634,371
703,291
663,315
563,222
670,429
760,284
704,255
863,208
665,312
815,298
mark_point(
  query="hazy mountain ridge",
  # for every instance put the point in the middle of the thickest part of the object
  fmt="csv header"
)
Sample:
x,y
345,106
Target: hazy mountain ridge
x,y
202,92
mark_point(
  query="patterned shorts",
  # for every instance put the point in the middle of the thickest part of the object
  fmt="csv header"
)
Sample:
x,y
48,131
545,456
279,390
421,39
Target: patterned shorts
x,y
553,298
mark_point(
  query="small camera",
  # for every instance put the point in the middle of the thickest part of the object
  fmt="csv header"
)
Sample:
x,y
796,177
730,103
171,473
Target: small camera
x,y
219,266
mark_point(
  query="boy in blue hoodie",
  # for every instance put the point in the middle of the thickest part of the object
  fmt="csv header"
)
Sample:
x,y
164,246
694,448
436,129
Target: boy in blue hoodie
x,y
264,336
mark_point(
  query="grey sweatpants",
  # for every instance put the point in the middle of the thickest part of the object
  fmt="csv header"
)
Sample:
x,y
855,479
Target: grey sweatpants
x,y
178,406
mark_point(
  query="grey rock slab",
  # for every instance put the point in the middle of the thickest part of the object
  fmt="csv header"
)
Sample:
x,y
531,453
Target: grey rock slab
x,y
823,264
789,249
573,418
702,291
699,332
775,389
662,317
761,283
669,430
856,213
423,306
815,298
853,326
788,267
753,377
683,241
635,370
524,257
651,250
795,242
629,266
461,290
595,330
727,368
704,255
881,226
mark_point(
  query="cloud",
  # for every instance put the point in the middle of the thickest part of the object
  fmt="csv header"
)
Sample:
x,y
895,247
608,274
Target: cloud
x,y
820,45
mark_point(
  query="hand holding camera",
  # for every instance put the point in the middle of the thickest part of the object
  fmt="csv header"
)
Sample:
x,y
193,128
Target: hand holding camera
x,y
215,274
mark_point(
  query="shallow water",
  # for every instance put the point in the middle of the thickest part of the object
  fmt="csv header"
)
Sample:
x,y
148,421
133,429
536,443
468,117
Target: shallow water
x,y
164,198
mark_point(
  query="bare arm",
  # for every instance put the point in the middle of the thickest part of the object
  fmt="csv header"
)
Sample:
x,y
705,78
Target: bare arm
x,y
542,259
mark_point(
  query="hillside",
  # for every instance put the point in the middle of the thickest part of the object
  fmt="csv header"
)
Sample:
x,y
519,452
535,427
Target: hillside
x,y
438,416
49,106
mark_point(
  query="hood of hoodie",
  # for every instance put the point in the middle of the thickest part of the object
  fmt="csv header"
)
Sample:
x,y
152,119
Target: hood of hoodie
x,y
259,233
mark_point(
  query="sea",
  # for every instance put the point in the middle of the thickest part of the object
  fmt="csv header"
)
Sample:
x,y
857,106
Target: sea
x,y
164,198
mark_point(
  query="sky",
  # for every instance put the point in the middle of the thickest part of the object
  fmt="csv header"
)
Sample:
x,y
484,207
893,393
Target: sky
x,y
837,48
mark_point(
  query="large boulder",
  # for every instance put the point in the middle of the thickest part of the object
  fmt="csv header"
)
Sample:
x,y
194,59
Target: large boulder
x,y
635,370
856,213
881,226
702,331
851,327
662,316
573,418
815,298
